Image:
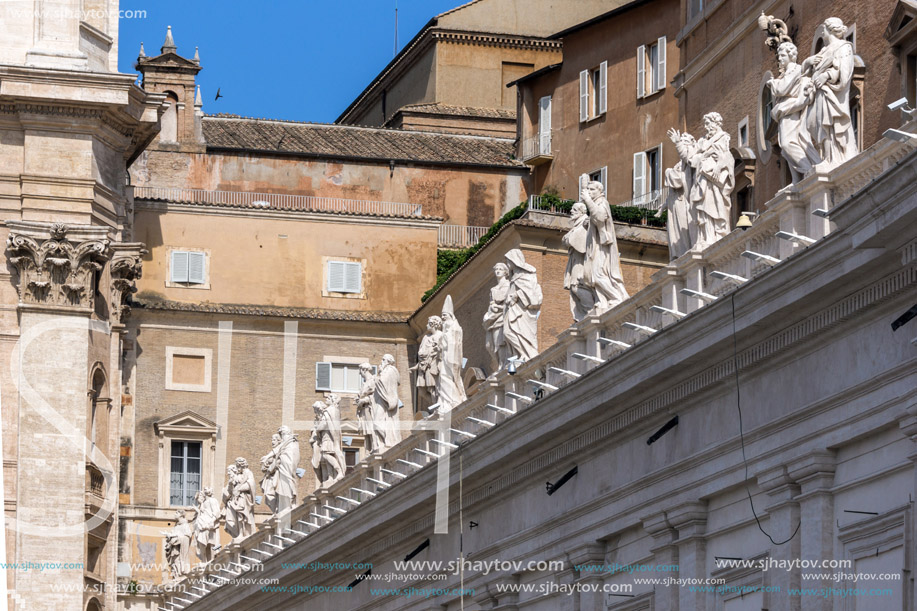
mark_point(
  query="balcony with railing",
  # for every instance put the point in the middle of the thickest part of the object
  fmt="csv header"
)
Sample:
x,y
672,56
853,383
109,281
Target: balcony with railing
x,y
279,201
460,236
796,220
537,149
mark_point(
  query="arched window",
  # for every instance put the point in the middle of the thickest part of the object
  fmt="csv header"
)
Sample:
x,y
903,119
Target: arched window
x,y
169,122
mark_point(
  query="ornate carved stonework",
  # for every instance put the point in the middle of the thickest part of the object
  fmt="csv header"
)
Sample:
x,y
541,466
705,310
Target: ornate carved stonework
x,y
56,263
125,269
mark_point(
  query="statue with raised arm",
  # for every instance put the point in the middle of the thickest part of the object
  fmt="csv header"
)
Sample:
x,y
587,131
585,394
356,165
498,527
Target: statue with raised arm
x,y
523,306
287,464
581,295
177,546
793,93
365,407
206,525
680,224
713,178
494,340
602,263
239,501
451,387
829,121
327,456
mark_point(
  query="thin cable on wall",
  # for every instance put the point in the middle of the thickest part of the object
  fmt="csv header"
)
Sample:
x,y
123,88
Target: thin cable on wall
x,y
735,368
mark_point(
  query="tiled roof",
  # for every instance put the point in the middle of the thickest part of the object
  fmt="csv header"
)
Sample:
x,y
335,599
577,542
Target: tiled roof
x,y
271,311
228,132
460,111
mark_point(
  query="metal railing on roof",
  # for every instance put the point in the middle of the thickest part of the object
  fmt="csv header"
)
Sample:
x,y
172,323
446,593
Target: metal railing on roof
x,y
278,201
460,236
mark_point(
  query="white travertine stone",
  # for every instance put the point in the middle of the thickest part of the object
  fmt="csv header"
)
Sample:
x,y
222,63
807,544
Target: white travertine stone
x,y
712,179
239,500
206,525
327,455
365,407
269,468
450,387
523,305
177,546
829,120
385,406
793,94
494,316
602,264
287,462
581,295
681,224
429,362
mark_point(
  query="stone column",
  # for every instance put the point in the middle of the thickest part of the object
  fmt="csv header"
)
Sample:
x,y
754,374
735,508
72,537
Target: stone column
x,y
593,554
814,473
665,551
783,517
690,519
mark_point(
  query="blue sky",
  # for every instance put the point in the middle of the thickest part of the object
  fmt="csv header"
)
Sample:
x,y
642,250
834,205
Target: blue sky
x,y
281,59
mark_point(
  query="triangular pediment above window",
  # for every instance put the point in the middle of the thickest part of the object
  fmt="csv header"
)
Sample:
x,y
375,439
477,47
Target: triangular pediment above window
x,y
186,422
903,23
171,60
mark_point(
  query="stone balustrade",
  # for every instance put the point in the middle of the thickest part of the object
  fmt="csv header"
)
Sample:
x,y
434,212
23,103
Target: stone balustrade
x,y
679,290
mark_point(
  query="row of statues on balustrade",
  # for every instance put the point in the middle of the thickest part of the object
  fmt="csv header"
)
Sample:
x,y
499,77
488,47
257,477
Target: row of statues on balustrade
x,y
815,132
377,411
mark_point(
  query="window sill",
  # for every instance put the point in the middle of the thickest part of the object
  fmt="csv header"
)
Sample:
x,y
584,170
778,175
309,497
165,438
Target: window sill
x,y
187,285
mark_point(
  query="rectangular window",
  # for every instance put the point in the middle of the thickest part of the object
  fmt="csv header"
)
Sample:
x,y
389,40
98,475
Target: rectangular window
x,y
345,277
742,139
544,125
188,267
593,92
647,173
600,175
695,7
338,377
185,480
351,458
651,67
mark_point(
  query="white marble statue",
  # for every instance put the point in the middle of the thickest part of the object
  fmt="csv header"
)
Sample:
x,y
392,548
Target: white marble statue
x,y
602,262
385,420
239,501
287,463
523,305
829,120
365,407
206,525
793,93
450,388
582,299
269,469
177,546
327,455
713,178
494,340
429,360
680,223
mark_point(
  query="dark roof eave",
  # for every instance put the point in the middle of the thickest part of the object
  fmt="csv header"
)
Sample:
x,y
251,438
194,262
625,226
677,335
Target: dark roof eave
x,y
536,73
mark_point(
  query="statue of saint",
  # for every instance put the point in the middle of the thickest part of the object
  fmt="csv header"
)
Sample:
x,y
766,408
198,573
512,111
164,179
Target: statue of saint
x,y
386,424
493,318
287,453
365,407
327,456
239,501
713,178
602,263
269,469
793,93
523,305
206,525
177,546
429,359
450,388
680,223
582,299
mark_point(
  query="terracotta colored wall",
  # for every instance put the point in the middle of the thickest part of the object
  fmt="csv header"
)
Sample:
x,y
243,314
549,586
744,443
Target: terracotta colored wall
x,y
462,196
251,262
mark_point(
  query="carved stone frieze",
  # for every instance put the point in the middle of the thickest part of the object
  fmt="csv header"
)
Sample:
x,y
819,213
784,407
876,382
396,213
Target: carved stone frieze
x,y
56,264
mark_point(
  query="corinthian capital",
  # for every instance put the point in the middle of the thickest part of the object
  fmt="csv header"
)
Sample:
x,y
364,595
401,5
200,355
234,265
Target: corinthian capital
x,y
126,264
56,264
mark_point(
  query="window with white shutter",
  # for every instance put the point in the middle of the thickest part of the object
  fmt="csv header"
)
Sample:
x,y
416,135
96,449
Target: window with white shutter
x,y
639,174
344,277
659,68
323,376
641,71
188,267
603,87
544,125
584,96
603,178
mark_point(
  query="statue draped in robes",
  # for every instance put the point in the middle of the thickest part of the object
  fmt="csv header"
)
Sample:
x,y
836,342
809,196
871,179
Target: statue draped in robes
x,y
523,305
